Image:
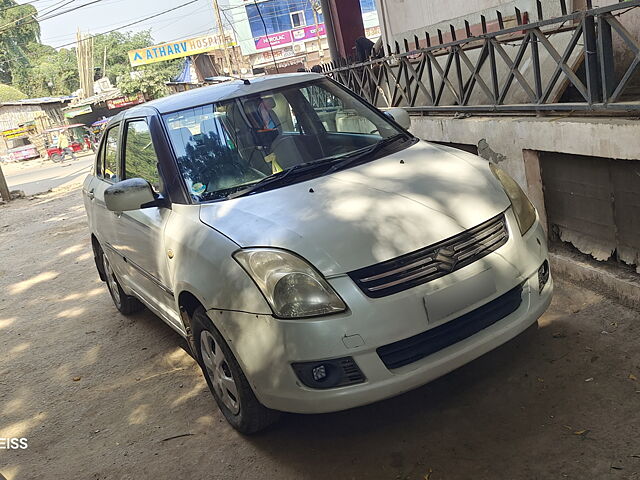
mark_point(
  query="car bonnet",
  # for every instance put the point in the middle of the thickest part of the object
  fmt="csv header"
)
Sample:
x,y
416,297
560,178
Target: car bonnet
x,y
367,214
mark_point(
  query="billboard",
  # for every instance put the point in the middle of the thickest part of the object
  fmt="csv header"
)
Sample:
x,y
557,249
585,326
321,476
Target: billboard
x,y
126,101
181,48
289,36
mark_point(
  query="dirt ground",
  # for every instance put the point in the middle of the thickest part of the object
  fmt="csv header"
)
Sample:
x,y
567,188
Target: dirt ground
x,y
101,396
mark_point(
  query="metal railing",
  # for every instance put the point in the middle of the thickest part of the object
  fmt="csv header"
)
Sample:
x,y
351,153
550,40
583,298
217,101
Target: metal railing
x,y
530,67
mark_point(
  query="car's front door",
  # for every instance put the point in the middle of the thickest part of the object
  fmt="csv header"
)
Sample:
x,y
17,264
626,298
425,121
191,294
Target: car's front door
x,y
140,232
106,173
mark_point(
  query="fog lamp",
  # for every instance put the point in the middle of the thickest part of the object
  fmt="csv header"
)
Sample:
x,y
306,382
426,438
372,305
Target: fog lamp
x,y
325,374
319,373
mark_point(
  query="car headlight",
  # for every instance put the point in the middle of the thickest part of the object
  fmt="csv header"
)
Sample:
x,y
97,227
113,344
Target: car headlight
x,y
293,288
522,207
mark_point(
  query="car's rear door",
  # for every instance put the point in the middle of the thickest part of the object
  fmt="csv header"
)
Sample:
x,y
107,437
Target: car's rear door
x,y
140,232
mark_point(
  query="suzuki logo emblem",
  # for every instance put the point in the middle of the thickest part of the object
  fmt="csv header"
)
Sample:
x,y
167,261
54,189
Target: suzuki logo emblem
x,y
446,258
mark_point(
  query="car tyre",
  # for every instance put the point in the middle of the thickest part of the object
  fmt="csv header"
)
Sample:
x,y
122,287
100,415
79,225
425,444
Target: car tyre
x,y
126,304
227,382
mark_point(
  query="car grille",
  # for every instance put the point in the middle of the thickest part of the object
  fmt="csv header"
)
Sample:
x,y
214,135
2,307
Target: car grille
x,y
404,352
432,262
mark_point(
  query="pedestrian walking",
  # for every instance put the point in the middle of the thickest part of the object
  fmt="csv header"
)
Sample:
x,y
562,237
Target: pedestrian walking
x,y
63,144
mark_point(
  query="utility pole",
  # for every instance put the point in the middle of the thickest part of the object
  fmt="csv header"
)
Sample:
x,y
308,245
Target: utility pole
x,y
331,32
4,188
227,58
315,6
84,53
104,63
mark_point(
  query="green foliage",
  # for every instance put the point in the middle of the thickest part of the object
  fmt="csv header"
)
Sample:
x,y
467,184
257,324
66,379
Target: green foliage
x,y
140,157
150,79
17,29
117,46
50,72
40,70
9,94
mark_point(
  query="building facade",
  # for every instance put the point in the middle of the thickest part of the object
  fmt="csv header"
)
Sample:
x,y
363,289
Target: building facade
x,y
289,34
402,19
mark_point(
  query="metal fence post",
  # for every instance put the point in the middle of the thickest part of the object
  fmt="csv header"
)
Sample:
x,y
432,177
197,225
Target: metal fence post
x,y
605,49
591,59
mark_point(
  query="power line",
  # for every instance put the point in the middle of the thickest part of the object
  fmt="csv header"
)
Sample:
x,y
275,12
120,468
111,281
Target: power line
x,y
48,15
59,38
136,22
18,5
30,15
275,64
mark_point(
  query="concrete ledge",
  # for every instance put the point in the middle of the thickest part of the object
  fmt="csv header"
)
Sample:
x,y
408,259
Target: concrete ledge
x,y
610,281
506,137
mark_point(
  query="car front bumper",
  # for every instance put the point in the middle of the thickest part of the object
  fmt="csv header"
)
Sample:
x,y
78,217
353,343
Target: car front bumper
x,y
266,347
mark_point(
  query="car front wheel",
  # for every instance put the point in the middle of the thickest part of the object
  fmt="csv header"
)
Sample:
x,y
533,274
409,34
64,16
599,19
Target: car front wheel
x,y
225,378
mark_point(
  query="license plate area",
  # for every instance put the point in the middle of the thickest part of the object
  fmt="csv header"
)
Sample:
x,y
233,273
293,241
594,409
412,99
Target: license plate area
x,y
460,296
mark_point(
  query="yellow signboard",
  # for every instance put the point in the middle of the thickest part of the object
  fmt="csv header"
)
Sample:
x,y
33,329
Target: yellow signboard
x,y
181,48
18,132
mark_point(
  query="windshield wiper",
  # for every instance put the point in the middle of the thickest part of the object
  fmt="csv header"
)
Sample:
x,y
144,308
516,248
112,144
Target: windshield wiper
x,y
279,178
353,157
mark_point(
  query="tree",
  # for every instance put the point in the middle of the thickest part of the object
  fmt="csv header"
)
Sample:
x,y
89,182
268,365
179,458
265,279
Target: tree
x,y
117,46
10,94
150,79
147,79
18,29
50,72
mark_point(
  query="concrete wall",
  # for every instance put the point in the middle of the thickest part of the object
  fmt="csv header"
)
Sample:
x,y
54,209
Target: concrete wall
x,y
513,142
405,18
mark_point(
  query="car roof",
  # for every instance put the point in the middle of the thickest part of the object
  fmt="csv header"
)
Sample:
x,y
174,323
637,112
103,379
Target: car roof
x,y
221,92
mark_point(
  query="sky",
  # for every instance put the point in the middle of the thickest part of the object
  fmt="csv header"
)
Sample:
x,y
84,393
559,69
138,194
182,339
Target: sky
x,y
189,21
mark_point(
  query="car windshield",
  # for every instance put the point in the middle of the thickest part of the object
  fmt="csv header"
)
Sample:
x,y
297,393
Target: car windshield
x,y
230,148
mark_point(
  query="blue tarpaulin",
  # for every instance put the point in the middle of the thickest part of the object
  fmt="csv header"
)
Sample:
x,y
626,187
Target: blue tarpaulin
x,y
185,74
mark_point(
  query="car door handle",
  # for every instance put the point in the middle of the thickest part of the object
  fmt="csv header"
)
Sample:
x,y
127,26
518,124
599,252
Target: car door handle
x,y
91,195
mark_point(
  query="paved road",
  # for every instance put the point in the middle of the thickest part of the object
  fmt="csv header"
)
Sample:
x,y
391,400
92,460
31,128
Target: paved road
x,y
38,176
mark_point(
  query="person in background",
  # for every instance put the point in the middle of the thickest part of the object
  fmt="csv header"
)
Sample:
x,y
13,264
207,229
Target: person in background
x,y
364,49
63,145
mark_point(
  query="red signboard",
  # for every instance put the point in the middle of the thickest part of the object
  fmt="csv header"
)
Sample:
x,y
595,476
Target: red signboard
x,y
285,38
126,101
274,40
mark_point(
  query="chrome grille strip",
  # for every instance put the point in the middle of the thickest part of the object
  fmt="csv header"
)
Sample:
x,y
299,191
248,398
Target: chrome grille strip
x,y
482,246
432,262
426,261
496,228
402,280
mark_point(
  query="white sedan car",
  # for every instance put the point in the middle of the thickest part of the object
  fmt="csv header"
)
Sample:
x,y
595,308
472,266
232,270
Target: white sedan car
x,y
314,253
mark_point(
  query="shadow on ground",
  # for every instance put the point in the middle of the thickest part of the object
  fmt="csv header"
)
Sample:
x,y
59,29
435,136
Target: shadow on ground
x,y
102,396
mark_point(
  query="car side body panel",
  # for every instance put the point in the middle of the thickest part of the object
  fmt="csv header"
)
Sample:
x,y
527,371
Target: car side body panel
x,y
203,265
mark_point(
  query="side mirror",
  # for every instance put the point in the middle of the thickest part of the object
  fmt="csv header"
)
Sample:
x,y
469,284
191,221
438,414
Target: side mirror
x,y
401,116
130,194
